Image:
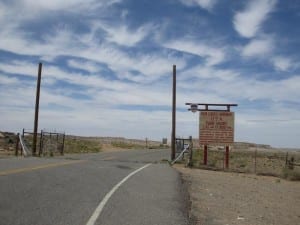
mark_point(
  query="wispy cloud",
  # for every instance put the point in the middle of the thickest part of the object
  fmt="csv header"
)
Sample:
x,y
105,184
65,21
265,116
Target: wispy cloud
x,y
107,63
6,80
249,21
205,4
212,55
86,65
122,35
282,63
258,47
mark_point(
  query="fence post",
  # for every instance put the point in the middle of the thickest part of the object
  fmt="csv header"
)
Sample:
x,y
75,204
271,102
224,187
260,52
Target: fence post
x,y
286,158
63,145
190,164
255,156
41,143
17,145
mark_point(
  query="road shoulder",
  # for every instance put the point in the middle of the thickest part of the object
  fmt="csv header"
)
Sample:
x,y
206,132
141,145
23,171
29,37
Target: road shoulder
x,y
232,198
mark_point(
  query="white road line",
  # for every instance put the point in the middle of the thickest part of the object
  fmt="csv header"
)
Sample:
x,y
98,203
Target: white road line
x,y
101,205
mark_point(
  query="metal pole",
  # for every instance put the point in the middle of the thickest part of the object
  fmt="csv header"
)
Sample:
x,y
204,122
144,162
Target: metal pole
x,y
173,115
36,115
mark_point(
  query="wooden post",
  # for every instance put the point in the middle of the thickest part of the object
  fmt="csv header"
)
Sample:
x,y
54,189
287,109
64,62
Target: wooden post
x,y
17,145
146,142
41,143
255,158
173,115
190,164
36,115
227,158
223,159
205,155
63,145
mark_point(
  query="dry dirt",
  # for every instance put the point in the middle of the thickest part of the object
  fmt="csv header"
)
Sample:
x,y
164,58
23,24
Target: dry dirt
x,y
224,198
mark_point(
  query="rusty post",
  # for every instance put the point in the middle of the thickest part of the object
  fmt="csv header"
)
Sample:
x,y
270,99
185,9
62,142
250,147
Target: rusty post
x,y
36,115
205,155
17,145
227,158
173,115
63,145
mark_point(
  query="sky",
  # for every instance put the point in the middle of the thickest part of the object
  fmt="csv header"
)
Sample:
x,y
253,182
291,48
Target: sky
x,y
107,66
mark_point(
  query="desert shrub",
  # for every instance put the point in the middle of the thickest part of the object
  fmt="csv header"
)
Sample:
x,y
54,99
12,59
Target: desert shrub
x,y
81,146
291,174
127,145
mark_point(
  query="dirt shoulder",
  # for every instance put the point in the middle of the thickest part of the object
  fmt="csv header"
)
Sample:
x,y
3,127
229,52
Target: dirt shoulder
x,y
233,198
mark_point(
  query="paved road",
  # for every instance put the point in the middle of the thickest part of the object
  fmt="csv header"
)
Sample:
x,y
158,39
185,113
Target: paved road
x,y
128,187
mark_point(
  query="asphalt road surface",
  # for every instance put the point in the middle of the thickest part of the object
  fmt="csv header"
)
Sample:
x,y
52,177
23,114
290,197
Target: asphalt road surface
x,y
130,187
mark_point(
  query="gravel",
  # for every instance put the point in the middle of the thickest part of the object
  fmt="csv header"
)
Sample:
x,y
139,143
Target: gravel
x,y
232,198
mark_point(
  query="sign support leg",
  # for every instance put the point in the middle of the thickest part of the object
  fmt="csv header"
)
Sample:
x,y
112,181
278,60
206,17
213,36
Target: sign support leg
x,y
205,155
227,158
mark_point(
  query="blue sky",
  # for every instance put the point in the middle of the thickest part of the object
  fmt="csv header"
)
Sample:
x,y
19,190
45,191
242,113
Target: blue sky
x,y
107,66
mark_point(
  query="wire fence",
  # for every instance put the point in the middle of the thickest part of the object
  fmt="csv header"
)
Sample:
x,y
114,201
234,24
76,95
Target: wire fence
x,y
284,164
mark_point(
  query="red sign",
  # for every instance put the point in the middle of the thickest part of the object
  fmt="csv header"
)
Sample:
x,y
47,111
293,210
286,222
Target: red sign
x,y
216,128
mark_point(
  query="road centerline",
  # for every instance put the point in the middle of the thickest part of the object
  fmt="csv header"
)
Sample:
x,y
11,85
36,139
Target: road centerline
x,y
102,204
27,169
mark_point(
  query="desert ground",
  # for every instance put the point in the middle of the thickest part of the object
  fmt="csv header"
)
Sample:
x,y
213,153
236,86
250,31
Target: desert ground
x,y
226,198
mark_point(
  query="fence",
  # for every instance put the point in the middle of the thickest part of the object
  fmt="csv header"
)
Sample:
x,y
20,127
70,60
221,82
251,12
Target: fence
x,y
48,143
258,161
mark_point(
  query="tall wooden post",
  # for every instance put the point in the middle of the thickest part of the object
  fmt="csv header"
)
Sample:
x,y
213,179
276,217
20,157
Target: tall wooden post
x,y
173,115
36,115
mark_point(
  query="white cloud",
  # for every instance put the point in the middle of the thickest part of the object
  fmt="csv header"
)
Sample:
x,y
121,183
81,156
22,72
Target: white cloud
x,y
68,5
232,85
6,80
89,66
20,67
138,79
258,47
123,36
248,22
205,4
212,55
282,63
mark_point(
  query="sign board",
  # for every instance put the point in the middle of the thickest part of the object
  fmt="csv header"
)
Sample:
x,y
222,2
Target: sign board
x,y
216,128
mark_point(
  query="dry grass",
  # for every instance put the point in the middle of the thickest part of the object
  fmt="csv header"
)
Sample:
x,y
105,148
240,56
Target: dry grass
x,y
77,144
270,163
